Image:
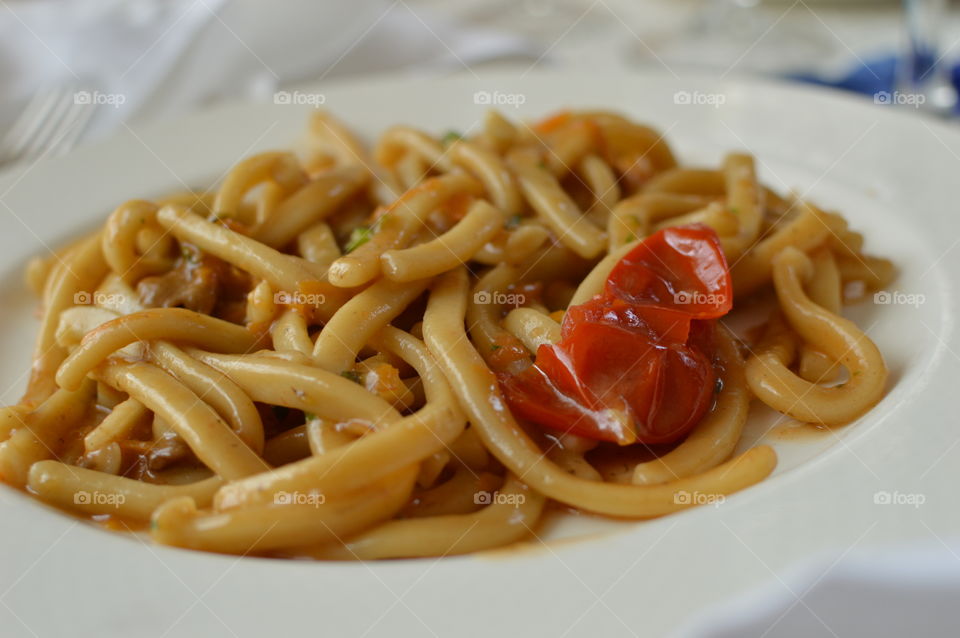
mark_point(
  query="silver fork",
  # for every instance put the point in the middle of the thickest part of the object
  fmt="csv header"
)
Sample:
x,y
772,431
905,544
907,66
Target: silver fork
x,y
50,124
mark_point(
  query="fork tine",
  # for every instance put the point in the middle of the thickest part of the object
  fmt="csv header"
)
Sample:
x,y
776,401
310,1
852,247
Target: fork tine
x,y
63,126
33,117
69,138
47,134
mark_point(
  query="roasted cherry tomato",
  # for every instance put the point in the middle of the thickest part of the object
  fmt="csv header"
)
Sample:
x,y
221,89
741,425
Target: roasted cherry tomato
x,y
635,363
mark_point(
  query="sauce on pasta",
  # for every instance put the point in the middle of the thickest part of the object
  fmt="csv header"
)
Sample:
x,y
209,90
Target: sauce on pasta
x,y
413,350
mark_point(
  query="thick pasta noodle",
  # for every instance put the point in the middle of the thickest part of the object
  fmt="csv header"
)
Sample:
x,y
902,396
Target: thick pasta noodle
x,y
415,349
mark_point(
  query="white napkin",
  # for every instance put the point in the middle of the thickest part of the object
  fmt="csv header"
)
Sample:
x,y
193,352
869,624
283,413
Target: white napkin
x,y
145,59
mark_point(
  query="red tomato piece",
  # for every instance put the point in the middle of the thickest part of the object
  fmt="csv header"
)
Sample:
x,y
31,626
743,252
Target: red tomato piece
x,y
635,363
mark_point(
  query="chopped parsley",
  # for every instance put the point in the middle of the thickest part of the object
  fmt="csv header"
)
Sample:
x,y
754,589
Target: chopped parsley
x,y
450,137
495,347
514,221
358,237
353,375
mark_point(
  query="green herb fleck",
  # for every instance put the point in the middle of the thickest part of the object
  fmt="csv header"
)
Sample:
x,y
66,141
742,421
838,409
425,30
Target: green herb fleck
x,y
450,137
309,416
495,347
353,375
513,222
358,237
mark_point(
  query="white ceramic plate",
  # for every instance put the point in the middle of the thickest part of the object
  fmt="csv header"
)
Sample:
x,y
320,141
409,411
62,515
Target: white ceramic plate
x,y
891,172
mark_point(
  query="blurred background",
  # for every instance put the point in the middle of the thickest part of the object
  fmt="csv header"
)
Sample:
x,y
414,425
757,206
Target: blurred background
x,y
73,71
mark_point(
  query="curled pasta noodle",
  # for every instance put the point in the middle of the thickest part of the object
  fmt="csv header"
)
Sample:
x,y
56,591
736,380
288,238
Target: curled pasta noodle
x,y
448,250
493,526
359,319
474,383
228,399
70,280
283,272
266,527
116,425
301,387
289,333
282,169
314,202
328,135
318,245
121,241
744,199
593,283
397,225
635,216
204,431
825,289
401,443
58,483
398,141
524,241
171,323
41,431
490,169
755,268
715,438
838,338
419,347
603,186
557,210
532,328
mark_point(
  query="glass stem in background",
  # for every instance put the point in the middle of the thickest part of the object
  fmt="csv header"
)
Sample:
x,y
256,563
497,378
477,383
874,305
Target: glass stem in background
x,y
921,71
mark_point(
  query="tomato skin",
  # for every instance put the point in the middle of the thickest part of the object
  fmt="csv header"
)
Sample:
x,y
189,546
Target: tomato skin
x,y
635,363
681,268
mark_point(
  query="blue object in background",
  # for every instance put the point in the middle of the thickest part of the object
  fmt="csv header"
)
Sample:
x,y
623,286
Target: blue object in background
x,y
873,77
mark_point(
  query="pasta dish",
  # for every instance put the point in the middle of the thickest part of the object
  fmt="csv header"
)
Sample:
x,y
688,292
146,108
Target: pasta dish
x,y
421,347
